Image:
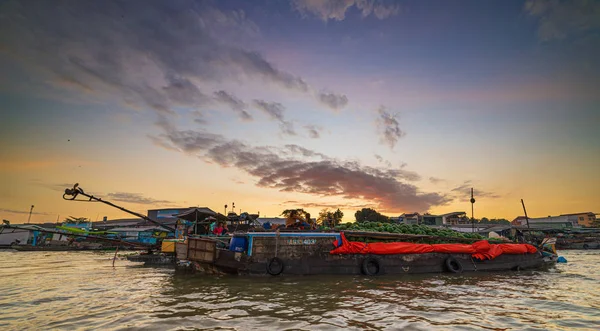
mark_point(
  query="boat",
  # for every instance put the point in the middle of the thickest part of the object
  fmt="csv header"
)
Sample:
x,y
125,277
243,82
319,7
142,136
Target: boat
x,y
316,253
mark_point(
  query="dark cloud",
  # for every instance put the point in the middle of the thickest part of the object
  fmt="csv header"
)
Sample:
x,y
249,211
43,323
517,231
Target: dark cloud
x,y
314,131
332,100
336,9
273,109
562,19
155,54
389,127
180,90
24,211
435,180
305,152
326,177
58,187
382,160
327,205
136,198
287,127
463,192
236,104
199,117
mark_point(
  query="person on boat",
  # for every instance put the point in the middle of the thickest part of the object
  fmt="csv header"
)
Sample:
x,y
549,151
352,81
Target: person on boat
x,y
225,229
218,230
267,225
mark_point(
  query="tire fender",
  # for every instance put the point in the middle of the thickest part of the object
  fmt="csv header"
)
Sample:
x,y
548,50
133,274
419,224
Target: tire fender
x,y
275,266
371,263
453,265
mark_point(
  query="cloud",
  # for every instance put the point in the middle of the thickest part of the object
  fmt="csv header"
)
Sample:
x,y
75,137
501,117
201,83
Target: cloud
x,y
327,205
382,160
435,180
463,192
332,100
26,212
274,111
58,187
156,54
305,152
389,127
314,131
136,198
561,19
199,117
236,105
386,188
336,9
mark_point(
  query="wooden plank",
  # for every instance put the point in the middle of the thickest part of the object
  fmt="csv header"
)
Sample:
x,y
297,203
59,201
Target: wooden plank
x,y
201,249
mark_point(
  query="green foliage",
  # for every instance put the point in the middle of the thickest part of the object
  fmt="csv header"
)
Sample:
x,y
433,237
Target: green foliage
x,y
72,219
329,218
485,220
293,212
407,229
370,215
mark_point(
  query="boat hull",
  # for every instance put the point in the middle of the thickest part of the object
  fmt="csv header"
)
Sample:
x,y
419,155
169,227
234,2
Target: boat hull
x,y
289,258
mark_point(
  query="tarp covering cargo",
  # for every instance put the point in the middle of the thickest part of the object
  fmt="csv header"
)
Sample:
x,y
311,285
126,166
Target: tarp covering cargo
x,y
482,250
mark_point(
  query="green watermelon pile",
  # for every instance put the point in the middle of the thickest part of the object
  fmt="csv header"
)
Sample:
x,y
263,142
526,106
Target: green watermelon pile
x,y
406,229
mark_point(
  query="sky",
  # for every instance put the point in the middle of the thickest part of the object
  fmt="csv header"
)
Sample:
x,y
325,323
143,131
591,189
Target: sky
x,y
400,106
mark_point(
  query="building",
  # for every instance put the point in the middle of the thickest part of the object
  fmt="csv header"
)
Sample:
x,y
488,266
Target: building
x,y
586,219
519,221
413,218
553,222
459,217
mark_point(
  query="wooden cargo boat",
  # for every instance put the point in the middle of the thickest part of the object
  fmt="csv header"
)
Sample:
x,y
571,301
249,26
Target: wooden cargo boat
x,y
310,253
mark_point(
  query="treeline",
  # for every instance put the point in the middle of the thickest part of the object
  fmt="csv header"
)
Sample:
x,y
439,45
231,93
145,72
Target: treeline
x,y
371,215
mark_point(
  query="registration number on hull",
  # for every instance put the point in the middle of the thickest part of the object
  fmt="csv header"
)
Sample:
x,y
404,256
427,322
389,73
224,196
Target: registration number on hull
x,y
302,241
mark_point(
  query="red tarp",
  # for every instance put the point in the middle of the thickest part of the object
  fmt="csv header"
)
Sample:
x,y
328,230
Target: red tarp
x,y
482,250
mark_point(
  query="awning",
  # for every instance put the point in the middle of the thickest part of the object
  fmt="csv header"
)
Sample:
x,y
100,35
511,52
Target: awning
x,y
196,214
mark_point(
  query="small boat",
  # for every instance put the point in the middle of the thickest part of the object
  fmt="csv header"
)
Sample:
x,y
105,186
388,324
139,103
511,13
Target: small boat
x,y
315,253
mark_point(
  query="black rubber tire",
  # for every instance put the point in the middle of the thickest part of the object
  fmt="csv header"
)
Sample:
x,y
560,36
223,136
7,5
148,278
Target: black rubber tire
x,y
586,246
275,266
369,264
517,268
453,265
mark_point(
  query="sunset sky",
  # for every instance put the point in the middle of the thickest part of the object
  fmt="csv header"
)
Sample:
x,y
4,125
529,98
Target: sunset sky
x,y
401,106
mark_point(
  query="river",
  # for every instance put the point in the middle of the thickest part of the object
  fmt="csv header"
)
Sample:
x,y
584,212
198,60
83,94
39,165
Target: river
x,y
83,291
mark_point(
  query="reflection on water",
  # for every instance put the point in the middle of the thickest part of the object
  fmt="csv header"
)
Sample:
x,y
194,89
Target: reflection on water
x,y
81,290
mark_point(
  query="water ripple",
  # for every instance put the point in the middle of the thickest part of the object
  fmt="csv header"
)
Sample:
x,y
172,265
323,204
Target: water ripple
x,y
81,290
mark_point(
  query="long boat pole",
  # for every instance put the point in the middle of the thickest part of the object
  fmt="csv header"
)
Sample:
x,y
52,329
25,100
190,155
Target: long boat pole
x,y
76,190
525,211
472,213
119,241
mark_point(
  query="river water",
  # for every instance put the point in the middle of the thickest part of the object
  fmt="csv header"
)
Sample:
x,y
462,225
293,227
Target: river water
x,y
83,291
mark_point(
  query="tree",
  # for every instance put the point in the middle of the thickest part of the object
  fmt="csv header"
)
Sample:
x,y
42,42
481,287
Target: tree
x,y
370,215
293,212
328,218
